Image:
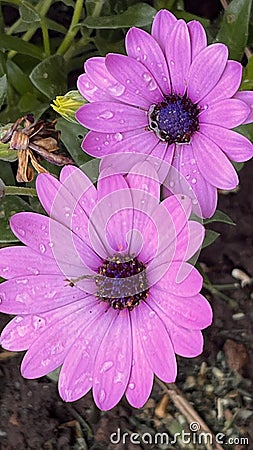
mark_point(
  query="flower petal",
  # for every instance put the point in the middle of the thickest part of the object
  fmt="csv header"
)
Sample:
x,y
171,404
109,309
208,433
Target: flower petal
x,y
112,117
90,91
193,312
162,27
154,336
37,293
197,36
77,371
21,261
47,187
22,331
234,145
227,113
206,70
178,54
141,376
185,177
135,76
144,48
101,144
113,363
227,85
221,172
98,72
50,349
247,97
144,177
189,240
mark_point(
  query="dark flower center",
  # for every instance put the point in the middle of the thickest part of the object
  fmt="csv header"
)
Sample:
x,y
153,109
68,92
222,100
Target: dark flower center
x,y
122,282
175,119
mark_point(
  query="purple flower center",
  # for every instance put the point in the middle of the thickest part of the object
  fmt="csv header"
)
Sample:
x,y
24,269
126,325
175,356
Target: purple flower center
x,y
123,282
175,119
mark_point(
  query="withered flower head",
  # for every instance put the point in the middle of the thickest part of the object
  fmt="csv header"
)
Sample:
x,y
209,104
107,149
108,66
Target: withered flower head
x,y
34,141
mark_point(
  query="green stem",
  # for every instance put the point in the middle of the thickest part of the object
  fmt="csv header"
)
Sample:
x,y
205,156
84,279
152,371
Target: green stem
x,y
98,8
42,8
219,294
45,35
15,190
73,29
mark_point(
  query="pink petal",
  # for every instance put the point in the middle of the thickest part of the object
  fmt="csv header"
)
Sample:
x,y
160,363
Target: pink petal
x,y
154,336
193,312
99,74
189,241
162,27
178,54
50,349
37,293
135,77
90,91
227,85
197,36
206,70
113,363
42,235
185,177
144,177
111,117
101,144
247,97
21,261
80,187
161,157
174,280
234,145
22,331
188,343
221,173
144,48
47,190
77,371
141,376
227,113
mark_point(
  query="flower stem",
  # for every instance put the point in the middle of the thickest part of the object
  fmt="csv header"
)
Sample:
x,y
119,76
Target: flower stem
x,y
73,29
15,190
215,292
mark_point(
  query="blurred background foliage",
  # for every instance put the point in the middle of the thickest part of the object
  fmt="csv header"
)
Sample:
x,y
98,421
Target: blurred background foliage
x,y
44,44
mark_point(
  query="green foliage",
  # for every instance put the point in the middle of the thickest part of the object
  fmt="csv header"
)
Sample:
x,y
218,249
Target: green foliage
x,y
210,238
47,79
235,27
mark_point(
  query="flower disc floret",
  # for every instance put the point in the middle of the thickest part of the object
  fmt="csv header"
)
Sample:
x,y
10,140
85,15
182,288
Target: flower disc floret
x,y
123,282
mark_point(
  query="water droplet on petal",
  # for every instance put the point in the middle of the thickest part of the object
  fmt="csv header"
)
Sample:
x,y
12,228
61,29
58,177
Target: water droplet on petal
x,y
172,62
42,248
194,181
106,142
102,396
145,57
22,281
187,177
21,232
118,137
38,322
128,81
138,49
122,121
152,314
205,107
106,366
131,386
106,115
172,184
117,90
5,269
97,139
51,244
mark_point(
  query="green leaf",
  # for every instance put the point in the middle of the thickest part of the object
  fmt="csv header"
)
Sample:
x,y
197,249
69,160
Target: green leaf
x,y
50,76
247,81
220,216
6,173
72,135
138,15
188,17
17,78
235,26
6,154
210,237
20,46
54,375
3,90
28,13
9,206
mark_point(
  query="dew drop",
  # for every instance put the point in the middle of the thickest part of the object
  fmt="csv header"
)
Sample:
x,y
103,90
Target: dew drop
x,y
21,232
145,57
182,164
146,77
38,322
42,248
172,184
34,270
187,177
5,269
205,107
122,121
138,49
194,181
118,137
116,90
152,314
102,396
195,201
172,62
165,79
97,139
19,319
106,366
106,142
106,115
22,281
43,227
51,244
194,171
137,91
128,81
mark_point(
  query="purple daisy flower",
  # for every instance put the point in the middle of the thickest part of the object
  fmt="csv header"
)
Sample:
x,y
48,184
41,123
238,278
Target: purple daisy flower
x,y
172,97
102,286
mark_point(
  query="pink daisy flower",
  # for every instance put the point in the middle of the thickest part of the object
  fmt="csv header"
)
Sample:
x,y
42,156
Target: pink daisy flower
x,y
102,286
172,97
